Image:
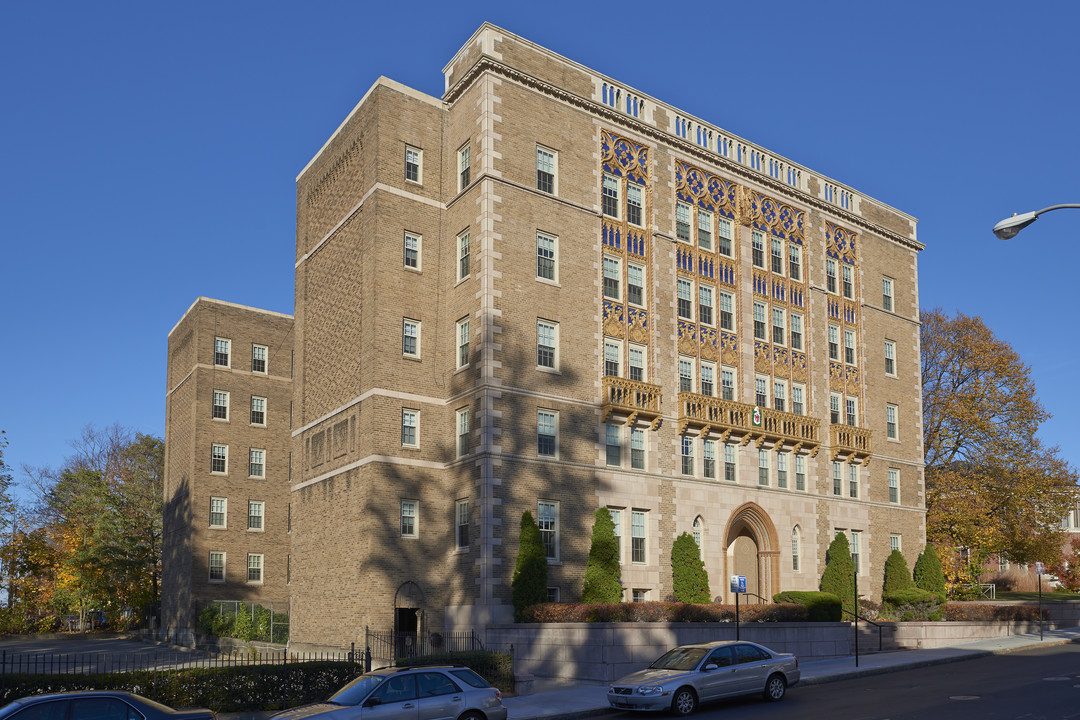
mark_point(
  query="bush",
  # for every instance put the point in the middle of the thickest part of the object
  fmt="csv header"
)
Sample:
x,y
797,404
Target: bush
x,y
971,612
912,604
839,576
603,576
495,667
688,575
662,612
529,584
928,572
820,606
897,575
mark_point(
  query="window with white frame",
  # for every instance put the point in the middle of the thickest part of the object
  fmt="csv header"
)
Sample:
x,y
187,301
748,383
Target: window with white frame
x,y
611,196
890,358
256,463
637,362
612,357
410,338
704,229
633,203
800,472
639,595
412,250
682,222
258,359
894,542
219,458
796,332
856,549
837,478
414,164
547,429
546,246
727,383
685,296
708,379
777,255
761,391
635,284
221,405
613,445
547,344
255,514
798,403
219,512
255,568
834,342
849,280
258,410
687,445
462,342
408,518
222,348
830,275
794,262
637,448
853,481
890,421
759,321
708,455
887,293
217,567
410,427
461,514
723,237
696,532
462,417
894,485
612,277
834,408
547,164
757,249
796,548
616,519
553,594
547,515
849,347
729,462
464,164
763,468
463,255
686,374
779,329
779,395
705,304
781,469
727,311
851,408
637,537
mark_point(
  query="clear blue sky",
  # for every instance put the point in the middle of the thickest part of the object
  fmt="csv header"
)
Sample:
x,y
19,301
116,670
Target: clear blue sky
x,y
148,153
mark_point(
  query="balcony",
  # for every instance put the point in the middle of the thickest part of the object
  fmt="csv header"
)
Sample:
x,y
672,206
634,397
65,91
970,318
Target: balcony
x,y
630,399
850,442
730,418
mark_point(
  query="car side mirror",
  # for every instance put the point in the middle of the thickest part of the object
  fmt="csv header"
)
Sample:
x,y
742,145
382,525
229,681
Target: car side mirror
x,y
372,702
710,666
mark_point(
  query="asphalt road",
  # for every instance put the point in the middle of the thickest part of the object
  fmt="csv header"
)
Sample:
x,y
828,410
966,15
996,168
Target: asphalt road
x,y
93,650
1040,684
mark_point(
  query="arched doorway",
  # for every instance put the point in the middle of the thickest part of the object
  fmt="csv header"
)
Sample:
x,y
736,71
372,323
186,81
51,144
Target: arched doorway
x,y
408,618
753,549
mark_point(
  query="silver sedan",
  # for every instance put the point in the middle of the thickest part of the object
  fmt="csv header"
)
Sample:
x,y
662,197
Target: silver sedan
x,y
692,674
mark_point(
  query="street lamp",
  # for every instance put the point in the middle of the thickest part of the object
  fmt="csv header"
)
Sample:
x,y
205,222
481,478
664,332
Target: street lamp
x,y
1007,228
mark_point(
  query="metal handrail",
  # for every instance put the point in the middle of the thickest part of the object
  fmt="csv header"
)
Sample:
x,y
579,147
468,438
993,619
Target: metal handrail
x,y
865,619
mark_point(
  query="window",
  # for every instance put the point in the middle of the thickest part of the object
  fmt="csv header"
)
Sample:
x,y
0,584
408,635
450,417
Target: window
x,y
611,196
798,405
779,331
685,299
709,455
412,251
463,163
255,515
547,514
727,311
794,262
639,596
856,549
463,342
851,408
408,518
761,391
637,537
696,534
763,467
546,432
779,395
637,363
414,159
553,594
800,472
218,512
616,518
687,444
256,463
255,568
258,410
217,567
837,478
834,409
757,246
258,359
682,222
547,336
853,481
795,548
612,274
890,358
894,542
886,293
219,458
463,255
686,374
796,332
849,281
635,284
221,405
546,164
834,342
545,256
704,230
410,421
463,432
613,445
894,485
727,383
759,321
612,357
633,204
410,338
708,379
777,256
729,462
221,351
890,422
830,275
849,347
461,512
723,235
637,448
705,304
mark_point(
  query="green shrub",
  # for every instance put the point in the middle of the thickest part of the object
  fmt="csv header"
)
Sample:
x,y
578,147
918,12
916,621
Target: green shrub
x,y
977,612
912,604
928,572
897,575
662,612
603,575
529,584
688,575
820,606
839,576
495,667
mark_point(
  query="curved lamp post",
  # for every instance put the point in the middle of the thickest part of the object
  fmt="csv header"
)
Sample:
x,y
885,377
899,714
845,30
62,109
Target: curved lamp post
x,y
1007,228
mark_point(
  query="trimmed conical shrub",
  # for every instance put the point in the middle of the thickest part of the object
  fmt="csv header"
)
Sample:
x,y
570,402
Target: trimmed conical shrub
x,y
688,576
839,575
928,573
529,584
897,575
603,577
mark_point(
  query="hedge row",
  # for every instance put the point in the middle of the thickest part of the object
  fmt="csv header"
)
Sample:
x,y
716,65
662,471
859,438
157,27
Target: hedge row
x,y
662,612
820,606
972,612
495,667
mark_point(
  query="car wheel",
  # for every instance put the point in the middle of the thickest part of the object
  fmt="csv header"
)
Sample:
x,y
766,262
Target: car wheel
x,y
471,715
684,701
775,687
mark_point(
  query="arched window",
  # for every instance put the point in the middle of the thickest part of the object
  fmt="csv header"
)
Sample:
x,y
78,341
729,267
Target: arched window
x,y
795,548
698,525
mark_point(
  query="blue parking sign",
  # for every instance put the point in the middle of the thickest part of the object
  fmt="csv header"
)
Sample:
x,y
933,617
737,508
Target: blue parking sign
x,y
738,583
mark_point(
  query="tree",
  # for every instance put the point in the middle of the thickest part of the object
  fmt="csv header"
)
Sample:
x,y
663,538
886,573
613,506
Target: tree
x,y
839,575
529,584
928,572
603,576
1067,569
897,575
689,579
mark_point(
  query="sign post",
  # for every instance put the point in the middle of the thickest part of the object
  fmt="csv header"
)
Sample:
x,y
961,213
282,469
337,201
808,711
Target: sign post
x,y
738,586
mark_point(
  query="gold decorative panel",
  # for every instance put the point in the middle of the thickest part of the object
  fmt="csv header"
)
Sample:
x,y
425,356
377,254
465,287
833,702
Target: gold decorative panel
x,y
702,188
773,216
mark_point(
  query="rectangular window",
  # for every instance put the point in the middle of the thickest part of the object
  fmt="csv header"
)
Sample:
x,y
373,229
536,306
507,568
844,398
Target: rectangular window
x,y
221,351
612,357
258,410
616,519
794,262
546,432
258,359
463,163
800,472
637,448
255,515
894,542
890,358
412,251
685,299
254,567
613,445
757,247
729,462
408,518
687,444
637,363
633,204
414,158
723,236
547,338
461,512
410,425
463,253
708,379
256,463
611,196
779,395
834,409
853,481
462,342
830,275
547,516
796,332
894,485
763,468
834,342
709,455
546,164
463,448
553,594
637,537
219,458
890,422
639,595
851,408
704,229
545,256
686,374
217,567
635,284
849,347
759,321
727,311
410,338
218,514
705,304
777,256
779,331
682,222
612,274
727,383
761,391
856,549
849,281
798,403
221,405
837,478
781,469
887,293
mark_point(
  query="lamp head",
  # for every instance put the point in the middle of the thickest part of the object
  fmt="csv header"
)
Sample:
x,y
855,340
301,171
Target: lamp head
x,y
1007,228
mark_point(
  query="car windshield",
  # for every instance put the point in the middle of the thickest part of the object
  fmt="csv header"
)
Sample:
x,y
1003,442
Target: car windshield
x,y
355,692
681,658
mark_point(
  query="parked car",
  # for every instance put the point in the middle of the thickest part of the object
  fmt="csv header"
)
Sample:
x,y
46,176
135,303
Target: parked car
x,y
689,675
433,692
96,705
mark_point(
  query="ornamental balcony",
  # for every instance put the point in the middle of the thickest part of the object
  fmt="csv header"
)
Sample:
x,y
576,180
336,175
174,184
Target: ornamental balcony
x,y
747,422
629,400
850,442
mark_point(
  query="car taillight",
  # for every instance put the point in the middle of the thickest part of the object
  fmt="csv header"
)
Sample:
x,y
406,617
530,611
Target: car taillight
x,y
796,661
498,695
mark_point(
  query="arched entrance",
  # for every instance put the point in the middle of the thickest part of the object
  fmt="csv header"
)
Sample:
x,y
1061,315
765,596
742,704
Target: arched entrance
x,y
408,618
752,549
